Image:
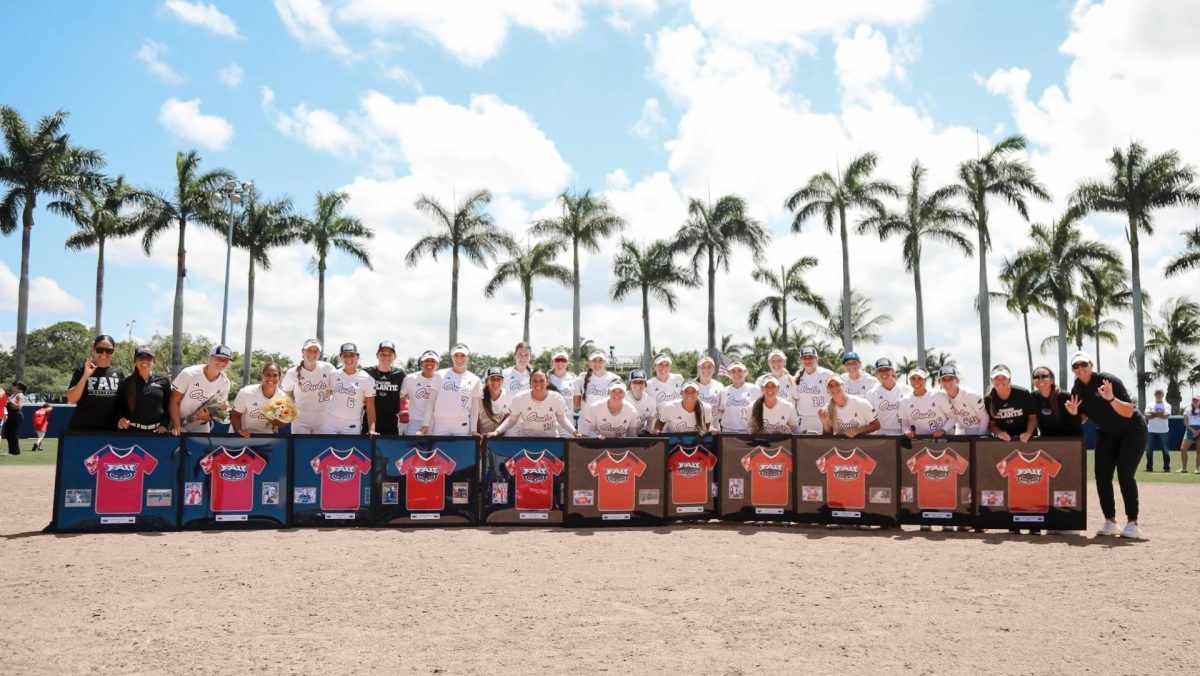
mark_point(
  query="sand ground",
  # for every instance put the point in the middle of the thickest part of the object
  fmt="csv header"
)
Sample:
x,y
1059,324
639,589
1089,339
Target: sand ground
x,y
711,599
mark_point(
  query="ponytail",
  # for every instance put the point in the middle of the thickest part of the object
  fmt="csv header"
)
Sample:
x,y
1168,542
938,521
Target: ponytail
x,y
756,415
831,408
586,378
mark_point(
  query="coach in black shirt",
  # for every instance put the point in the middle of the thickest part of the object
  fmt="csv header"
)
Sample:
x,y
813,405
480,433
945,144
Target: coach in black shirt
x,y
142,397
93,389
1010,408
1054,420
387,389
1120,439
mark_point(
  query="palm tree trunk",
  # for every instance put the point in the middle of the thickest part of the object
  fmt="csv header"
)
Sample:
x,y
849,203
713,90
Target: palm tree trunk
x,y
249,324
177,312
454,298
1097,355
23,288
321,298
528,303
921,359
646,328
1139,331
712,305
576,356
985,315
99,284
1028,344
783,296
847,328
1060,308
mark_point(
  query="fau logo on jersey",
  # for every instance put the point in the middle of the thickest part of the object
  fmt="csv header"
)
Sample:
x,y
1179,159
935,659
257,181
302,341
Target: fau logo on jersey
x,y
689,469
936,472
342,473
770,470
846,472
233,472
123,471
1029,475
534,475
616,475
426,475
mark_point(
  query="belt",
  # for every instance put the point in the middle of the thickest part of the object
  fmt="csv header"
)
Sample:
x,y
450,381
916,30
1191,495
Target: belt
x,y
148,428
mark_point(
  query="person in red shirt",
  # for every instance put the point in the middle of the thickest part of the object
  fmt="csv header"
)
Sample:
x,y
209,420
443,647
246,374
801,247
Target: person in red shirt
x,y
41,423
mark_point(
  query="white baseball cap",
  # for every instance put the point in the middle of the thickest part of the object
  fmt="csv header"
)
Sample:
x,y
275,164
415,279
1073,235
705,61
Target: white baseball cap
x,y
918,373
313,342
561,354
460,349
692,385
661,358
737,365
769,380
1001,370
598,354
429,354
617,385
704,359
776,353
1080,356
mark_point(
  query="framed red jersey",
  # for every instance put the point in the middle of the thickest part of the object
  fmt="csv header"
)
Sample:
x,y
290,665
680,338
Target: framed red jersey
x,y
232,477
937,472
616,480
533,476
341,472
1039,484
847,480
690,469
425,479
1029,478
119,476
110,481
770,476
846,477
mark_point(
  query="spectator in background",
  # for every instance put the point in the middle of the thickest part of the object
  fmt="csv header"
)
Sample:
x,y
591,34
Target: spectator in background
x,y
41,423
1158,425
1191,430
12,427
1050,404
3,414
93,389
142,397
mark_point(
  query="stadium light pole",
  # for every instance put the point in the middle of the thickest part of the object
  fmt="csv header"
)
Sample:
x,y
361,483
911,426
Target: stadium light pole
x,y
230,194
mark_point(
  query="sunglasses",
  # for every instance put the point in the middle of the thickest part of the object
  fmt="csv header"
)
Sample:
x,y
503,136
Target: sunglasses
x,y
1042,376
1079,365
103,350
560,359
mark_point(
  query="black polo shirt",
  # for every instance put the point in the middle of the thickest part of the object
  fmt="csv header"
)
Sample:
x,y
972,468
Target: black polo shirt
x,y
1011,415
144,402
387,399
1100,411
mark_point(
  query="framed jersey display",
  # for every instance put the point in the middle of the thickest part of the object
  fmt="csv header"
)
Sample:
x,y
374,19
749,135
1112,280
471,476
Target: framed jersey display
x,y
107,481
427,480
935,481
840,480
1040,484
755,478
523,481
616,481
331,480
691,477
229,481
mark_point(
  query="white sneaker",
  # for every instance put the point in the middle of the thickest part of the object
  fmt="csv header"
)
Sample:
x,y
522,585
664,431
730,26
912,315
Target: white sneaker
x,y
1109,528
1132,531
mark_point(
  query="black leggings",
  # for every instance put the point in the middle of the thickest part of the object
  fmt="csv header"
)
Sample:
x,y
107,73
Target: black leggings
x,y
1119,452
12,432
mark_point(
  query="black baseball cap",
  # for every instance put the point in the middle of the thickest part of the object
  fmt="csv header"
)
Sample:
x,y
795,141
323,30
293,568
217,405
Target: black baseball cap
x,y
222,351
636,375
493,372
884,363
147,350
808,351
348,348
948,372
387,345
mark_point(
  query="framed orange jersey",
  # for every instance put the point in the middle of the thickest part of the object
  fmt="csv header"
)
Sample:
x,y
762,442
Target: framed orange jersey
x,y
615,481
1040,484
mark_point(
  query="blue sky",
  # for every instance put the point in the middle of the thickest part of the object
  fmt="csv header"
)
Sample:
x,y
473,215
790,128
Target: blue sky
x,y
647,101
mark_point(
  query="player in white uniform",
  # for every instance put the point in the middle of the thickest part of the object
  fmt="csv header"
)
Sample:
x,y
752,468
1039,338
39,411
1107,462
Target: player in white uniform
x,y
968,406
777,363
856,382
194,387
923,413
710,388
247,416
308,386
647,408
665,386
593,386
689,415
352,390
846,414
771,413
417,387
455,398
611,417
516,378
886,396
733,409
810,393
562,379
494,404
538,412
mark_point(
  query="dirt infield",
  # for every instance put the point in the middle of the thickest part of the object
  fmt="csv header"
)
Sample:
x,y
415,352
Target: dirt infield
x,y
716,599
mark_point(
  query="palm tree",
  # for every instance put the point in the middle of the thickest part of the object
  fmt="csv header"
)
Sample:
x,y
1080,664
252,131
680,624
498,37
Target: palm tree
x,y
926,216
330,229
586,220
997,174
468,232
1189,258
1106,289
100,216
41,160
1172,339
262,226
190,202
789,284
525,266
1138,185
650,271
709,236
1079,326
1021,294
864,327
934,362
831,197
1058,256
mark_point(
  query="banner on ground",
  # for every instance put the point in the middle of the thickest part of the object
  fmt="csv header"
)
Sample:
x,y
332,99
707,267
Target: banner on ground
x,y
1039,484
692,473
616,481
331,480
230,481
427,480
755,478
115,482
935,481
850,481
524,480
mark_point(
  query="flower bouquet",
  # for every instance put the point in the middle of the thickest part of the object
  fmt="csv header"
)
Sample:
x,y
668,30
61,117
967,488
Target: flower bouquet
x,y
216,409
281,411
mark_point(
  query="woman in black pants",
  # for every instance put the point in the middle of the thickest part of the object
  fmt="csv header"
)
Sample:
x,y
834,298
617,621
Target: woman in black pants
x,y
12,426
1120,439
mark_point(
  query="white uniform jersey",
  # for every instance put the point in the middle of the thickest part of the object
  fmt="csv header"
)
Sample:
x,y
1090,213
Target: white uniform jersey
x,y
528,417
733,409
349,392
454,403
857,413
677,420
787,389
501,407
516,382
711,393
596,387
196,390
887,406
780,419
926,414
250,403
597,420
565,384
310,391
665,393
647,411
860,387
970,411
417,388
811,395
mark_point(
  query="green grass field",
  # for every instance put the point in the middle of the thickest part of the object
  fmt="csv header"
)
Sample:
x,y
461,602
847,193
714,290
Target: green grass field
x,y
49,455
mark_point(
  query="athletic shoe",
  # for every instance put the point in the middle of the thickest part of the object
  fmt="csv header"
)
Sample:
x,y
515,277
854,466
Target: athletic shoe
x,y
1109,528
926,529
1181,471
1132,531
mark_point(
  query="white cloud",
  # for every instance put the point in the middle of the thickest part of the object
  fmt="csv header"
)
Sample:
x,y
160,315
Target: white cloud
x,y
863,61
624,12
204,15
756,23
231,75
318,129
184,119
151,54
651,120
308,21
404,77
45,295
